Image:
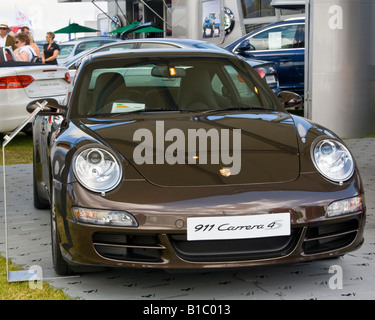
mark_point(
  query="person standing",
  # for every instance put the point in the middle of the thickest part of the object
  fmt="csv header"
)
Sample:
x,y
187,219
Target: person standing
x,y
6,40
24,51
33,44
50,50
25,29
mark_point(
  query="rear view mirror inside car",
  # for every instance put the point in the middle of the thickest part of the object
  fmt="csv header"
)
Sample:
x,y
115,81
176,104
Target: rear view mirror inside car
x,y
168,72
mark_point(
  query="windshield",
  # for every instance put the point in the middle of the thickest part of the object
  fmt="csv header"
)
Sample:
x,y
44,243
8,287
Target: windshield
x,y
178,84
65,50
71,63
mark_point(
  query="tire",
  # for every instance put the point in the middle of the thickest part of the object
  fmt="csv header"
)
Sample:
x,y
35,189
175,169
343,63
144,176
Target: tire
x,y
39,203
59,264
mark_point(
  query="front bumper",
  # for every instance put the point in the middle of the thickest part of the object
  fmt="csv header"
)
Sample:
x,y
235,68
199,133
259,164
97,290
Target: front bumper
x,y
160,240
101,246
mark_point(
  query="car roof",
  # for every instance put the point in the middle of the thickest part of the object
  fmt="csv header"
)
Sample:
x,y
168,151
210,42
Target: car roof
x,y
278,23
80,40
189,43
157,52
171,40
177,41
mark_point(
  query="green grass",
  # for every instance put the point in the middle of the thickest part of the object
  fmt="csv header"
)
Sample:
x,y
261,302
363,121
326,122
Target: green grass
x,y
23,290
20,151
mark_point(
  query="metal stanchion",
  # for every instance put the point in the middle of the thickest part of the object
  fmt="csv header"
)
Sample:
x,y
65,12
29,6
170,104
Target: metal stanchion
x,y
20,275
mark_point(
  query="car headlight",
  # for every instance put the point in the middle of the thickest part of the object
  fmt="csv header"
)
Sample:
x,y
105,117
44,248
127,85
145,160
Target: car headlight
x,y
105,217
345,206
333,160
97,169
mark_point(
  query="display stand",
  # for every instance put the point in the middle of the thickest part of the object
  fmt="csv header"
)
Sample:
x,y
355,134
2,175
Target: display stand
x,y
20,275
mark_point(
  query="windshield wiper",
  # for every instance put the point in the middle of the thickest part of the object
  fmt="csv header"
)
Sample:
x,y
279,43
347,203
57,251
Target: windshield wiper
x,y
188,110
235,109
116,114
146,110
163,110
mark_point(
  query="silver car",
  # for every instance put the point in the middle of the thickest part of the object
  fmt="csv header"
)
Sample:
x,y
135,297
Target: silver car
x,y
266,70
69,49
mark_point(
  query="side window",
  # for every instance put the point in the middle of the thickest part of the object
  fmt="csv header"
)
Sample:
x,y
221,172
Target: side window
x,y
120,47
87,45
217,85
300,37
65,51
283,37
243,92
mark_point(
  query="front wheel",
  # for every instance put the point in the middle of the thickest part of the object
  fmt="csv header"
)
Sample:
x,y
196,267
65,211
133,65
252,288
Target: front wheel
x,y
59,264
39,202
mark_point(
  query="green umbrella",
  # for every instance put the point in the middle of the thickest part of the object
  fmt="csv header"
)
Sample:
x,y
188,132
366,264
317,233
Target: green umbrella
x,y
147,30
125,28
75,28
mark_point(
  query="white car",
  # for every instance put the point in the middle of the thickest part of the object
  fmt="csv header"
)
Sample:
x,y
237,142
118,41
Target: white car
x,y
69,49
22,82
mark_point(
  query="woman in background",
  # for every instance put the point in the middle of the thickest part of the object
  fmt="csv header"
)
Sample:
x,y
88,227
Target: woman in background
x,y
24,51
33,44
50,50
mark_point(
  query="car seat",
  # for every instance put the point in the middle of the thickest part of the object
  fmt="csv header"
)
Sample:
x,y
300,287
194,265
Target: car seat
x,y
111,87
196,92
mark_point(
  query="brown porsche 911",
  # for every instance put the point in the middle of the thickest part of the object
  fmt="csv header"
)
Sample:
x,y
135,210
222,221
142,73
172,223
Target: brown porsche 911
x,y
186,159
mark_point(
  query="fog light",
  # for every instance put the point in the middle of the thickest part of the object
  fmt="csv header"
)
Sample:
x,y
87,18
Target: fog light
x,y
105,217
345,206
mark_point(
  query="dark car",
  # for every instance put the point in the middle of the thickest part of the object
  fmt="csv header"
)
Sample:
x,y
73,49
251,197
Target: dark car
x,y
186,159
283,43
266,70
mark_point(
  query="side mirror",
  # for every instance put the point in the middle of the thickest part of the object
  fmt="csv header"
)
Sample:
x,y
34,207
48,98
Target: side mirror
x,y
53,108
244,46
77,64
290,99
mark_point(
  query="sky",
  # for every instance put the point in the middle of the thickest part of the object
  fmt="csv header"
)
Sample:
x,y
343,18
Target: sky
x,y
49,15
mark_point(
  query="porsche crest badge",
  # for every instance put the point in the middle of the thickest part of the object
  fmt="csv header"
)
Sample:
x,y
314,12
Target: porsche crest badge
x,y
225,172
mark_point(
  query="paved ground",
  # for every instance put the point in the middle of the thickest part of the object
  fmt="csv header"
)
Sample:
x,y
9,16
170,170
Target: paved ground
x,y
29,244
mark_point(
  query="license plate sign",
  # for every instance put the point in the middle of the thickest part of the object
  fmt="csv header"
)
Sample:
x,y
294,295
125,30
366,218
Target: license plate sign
x,y
239,227
270,79
49,84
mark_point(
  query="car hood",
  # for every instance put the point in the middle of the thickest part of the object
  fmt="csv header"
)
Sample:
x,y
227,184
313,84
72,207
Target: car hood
x,y
246,148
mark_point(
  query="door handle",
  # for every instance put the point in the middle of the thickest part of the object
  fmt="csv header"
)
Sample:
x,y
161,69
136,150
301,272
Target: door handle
x,y
285,60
